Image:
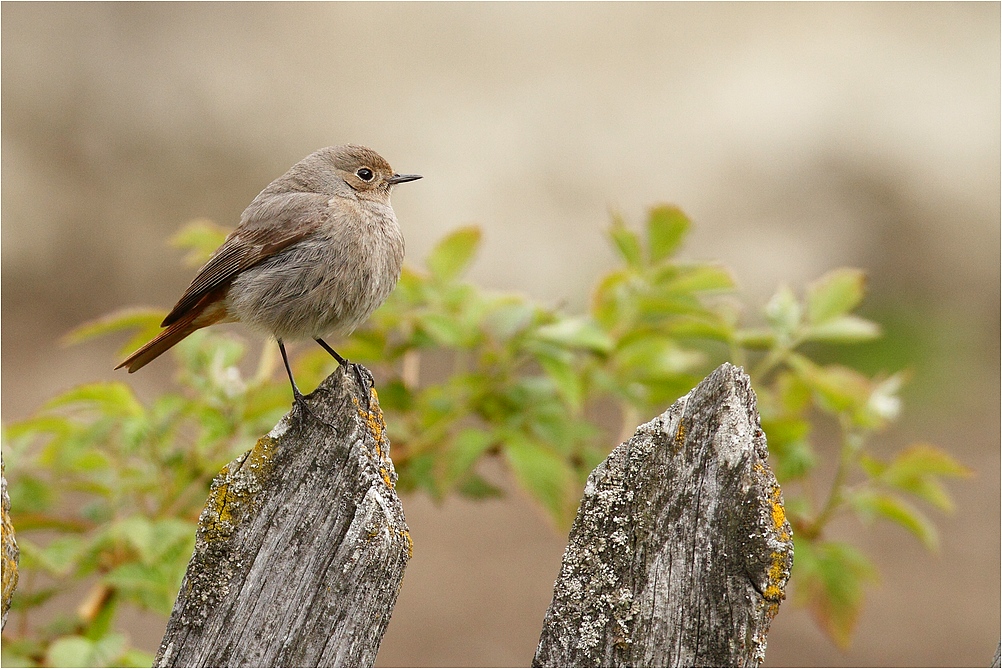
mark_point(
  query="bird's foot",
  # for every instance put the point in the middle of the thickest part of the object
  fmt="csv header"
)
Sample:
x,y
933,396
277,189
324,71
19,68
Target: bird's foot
x,y
299,403
359,371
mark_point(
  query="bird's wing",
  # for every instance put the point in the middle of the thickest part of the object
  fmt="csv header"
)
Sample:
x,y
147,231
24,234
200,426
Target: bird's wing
x,y
268,226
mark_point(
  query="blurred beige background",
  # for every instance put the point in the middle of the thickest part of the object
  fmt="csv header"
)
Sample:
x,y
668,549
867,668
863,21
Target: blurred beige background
x,y
799,138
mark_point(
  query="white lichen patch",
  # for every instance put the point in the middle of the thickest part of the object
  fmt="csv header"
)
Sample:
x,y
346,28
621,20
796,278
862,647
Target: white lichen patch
x,y
280,428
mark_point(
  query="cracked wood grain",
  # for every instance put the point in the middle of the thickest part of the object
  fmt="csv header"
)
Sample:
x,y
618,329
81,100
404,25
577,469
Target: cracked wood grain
x,y
681,550
301,546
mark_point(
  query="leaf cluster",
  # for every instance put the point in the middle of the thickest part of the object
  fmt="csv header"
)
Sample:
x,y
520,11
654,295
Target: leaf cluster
x,y
106,490
112,486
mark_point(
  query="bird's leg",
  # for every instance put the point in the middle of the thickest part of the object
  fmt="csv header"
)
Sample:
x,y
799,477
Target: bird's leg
x,y
299,401
337,356
356,369
297,396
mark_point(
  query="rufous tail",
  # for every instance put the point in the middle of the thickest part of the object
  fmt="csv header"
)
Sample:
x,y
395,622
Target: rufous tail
x,y
175,332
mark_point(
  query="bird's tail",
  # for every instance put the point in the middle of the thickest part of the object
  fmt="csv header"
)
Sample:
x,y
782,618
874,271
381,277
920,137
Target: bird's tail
x,y
175,332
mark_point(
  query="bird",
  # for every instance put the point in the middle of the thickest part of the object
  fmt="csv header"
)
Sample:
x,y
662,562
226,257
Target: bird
x,y
314,254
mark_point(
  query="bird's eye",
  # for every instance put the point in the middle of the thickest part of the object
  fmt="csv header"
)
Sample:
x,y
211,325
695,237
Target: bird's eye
x,y
364,173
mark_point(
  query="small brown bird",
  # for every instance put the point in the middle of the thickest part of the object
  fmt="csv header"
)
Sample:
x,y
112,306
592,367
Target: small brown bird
x,y
315,253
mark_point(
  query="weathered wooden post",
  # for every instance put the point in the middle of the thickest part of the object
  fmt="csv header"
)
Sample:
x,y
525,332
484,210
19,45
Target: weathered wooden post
x,y
301,547
9,555
678,557
681,550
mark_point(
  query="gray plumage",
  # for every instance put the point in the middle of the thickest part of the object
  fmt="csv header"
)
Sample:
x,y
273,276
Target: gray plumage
x,y
329,282
315,253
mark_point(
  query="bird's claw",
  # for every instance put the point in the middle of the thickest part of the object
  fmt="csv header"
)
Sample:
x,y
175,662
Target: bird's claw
x,y
360,373
299,402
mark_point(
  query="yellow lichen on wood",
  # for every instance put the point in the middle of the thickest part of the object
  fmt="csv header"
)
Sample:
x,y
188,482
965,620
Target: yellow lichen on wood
x,y
260,456
680,436
779,514
217,502
777,571
225,494
376,425
410,543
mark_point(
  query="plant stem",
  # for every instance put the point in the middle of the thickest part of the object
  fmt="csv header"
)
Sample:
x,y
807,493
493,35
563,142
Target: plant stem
x,y
771,359
851,445
777,355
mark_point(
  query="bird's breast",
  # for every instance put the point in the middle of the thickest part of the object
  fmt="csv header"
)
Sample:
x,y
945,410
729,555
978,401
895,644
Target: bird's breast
x,y
327,283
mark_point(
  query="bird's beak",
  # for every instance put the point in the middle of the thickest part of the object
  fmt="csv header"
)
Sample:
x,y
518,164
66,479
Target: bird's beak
x,y
402,178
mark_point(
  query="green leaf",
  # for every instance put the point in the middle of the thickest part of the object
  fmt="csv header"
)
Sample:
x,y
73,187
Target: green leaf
x,y
108,650
654,357
798,508
111,398
790,446
30,494
609,302
99,621
627,243
834,294
71,651
844,330
916,470
201,237
146,320
443,330
59,557
784,313
667,226
871,465
925,459
793,394
464,451
657,307
11,656
756,339
699,278
137,532
931,490
152,587
869,504
566,378
451,255
410,292
579,332
419,473
829,579
838,389
705,326
36,425
364,345
510,316
91,461
475,486
25,601
77,651
795,460
133,657
544,474
395,395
